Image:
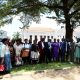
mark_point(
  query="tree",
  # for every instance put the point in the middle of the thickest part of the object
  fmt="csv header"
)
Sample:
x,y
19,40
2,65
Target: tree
x,y
66,11
16,35
10,8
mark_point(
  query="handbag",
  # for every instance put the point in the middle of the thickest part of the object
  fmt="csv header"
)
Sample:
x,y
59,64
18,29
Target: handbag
x,y
2,68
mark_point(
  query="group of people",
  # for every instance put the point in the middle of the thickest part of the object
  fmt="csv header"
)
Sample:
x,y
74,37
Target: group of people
x,y
15,52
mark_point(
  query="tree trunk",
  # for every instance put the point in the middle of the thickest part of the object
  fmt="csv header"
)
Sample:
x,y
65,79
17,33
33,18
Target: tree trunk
x,y
68,26
69,32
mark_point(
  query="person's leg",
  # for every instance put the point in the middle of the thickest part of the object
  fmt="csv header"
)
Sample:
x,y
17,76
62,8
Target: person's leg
x,y
8,63
72,56
49,56
46,58
79,61
63,57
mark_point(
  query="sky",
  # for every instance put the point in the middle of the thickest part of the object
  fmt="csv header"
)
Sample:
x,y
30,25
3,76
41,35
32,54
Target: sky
x,y
16,24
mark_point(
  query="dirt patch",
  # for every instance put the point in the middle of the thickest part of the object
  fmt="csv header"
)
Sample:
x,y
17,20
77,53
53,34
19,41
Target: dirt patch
x,y
58,74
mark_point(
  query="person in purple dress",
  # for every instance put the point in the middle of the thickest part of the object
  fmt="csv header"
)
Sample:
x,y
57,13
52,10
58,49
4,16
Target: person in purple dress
x,y
55,50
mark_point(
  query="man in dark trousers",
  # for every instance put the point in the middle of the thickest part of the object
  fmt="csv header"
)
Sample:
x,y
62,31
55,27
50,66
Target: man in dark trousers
x,y
41,50
63,50
47,51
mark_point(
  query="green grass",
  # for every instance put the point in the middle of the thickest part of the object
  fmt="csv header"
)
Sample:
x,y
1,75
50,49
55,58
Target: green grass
x,y
44,66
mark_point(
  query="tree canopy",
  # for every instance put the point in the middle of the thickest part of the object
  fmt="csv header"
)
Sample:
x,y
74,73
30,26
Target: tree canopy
x,y
63,11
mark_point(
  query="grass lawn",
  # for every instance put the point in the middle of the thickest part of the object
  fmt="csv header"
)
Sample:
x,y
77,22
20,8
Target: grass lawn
x,y
44,66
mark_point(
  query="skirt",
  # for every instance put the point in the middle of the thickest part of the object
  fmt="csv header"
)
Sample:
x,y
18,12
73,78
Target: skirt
x,y
34,55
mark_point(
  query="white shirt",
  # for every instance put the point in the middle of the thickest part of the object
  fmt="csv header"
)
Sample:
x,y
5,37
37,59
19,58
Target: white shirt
x,y
18,49
7,51
1,50
42,45
49,43
26,46
4,50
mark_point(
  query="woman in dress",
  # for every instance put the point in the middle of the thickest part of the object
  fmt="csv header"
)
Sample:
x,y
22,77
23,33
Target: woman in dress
x,y
77,52
55,49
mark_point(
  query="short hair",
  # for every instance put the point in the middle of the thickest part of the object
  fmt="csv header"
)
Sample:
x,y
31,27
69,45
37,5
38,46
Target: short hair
x,y
4,39
25,39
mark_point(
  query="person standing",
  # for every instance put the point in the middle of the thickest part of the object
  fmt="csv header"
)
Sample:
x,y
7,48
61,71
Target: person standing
x,y
72,50
58,41
77,52
41,50
25,51
34,52
63,50
7,57
47,49
55,48
2,68
12,53
18,48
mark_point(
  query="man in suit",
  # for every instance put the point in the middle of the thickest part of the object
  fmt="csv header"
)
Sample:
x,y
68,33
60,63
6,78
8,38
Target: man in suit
x,y
47,51
41,50
63,50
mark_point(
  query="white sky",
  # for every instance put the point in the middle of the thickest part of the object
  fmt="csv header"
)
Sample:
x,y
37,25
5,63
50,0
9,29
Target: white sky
x,y
14,27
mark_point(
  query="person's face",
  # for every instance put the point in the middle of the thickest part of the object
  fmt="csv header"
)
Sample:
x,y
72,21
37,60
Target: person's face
x,y
26,41
58,40
18,42
54,40
7,42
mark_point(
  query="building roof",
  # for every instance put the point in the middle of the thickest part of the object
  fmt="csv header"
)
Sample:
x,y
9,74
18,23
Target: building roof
x,y
39,29
77,29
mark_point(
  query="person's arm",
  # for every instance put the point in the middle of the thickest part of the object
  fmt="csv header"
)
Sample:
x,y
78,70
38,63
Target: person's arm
x,y
2,54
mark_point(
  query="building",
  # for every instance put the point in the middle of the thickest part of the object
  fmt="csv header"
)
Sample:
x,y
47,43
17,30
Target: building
x,y
37,33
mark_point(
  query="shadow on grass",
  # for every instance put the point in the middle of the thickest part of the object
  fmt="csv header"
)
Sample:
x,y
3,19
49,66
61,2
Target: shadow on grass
x,y
43,66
